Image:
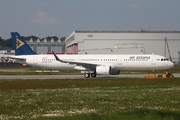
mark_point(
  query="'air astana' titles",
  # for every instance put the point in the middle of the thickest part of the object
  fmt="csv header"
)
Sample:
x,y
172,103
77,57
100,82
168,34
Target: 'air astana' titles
x,y
139,57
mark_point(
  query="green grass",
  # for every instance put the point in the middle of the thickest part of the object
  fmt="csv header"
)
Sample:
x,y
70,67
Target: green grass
x,y
91,99
138,114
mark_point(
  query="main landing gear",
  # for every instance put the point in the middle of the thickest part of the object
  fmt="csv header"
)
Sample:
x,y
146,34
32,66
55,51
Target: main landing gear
x,y
87,75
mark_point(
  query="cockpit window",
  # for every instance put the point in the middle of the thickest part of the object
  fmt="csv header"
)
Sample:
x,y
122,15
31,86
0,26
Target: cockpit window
x,y
164,59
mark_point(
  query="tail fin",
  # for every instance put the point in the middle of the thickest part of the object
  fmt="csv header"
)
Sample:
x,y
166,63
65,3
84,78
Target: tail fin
x,y
20,45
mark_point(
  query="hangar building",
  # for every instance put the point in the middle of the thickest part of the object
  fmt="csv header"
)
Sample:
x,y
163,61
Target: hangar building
x,y
125,42
44,46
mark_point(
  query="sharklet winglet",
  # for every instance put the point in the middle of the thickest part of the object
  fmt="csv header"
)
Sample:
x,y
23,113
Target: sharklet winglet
x,y
57,58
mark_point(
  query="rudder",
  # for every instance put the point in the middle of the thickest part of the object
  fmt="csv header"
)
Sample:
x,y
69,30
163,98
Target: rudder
x,y
20,45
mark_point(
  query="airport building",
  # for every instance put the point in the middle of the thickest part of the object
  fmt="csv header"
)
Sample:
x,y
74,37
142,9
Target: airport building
x,y
166,43
46,46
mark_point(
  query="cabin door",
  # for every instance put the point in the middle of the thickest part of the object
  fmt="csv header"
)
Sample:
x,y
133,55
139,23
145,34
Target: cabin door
x,y
119,61
153,60
78,59
35,60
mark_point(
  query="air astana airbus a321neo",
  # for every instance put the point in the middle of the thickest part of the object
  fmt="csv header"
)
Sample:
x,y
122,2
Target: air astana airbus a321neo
x,y
91,65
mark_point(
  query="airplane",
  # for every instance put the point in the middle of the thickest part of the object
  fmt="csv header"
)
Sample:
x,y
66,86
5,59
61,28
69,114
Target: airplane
x,y
90,65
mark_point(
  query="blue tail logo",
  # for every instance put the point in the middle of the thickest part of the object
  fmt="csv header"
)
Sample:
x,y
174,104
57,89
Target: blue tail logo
x,y
20,45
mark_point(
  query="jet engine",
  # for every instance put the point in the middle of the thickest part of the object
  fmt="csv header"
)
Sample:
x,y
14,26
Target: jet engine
x,y
106,70
114,72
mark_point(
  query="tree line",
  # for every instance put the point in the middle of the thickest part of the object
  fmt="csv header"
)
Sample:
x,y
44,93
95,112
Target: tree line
x,y
7,43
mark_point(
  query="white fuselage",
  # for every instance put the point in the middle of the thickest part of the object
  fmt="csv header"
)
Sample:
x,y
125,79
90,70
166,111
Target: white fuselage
x,y
118,62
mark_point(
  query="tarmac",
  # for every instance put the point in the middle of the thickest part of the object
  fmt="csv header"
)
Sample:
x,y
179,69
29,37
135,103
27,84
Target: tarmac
x,y
73,76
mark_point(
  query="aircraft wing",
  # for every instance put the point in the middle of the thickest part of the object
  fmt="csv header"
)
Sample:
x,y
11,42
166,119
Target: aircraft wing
x,y
77,63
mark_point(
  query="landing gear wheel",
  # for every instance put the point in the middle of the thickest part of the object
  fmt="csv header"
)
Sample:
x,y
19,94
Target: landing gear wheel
x,y
159,76
86,75
93,75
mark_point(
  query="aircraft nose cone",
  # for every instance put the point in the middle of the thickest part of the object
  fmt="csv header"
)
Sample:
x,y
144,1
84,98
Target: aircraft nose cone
x,y
171,64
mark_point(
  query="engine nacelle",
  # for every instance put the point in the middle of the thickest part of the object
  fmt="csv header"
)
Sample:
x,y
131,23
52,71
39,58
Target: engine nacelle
x,y
103,70
114,72
106,70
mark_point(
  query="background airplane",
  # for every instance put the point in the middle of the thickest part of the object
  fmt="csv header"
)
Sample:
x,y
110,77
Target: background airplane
x,y
91,65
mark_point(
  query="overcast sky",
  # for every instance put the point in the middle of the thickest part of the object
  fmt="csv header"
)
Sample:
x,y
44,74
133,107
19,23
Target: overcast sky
x,y
60,18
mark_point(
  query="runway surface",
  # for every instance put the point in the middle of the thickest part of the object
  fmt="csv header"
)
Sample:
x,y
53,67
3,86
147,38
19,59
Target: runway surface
x,y
72,76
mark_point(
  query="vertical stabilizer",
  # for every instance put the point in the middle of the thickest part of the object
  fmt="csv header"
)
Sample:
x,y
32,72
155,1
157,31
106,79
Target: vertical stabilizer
x,y
20,45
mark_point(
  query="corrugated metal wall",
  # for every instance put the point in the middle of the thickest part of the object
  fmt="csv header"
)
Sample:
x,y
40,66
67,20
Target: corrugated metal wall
x,y
128,42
